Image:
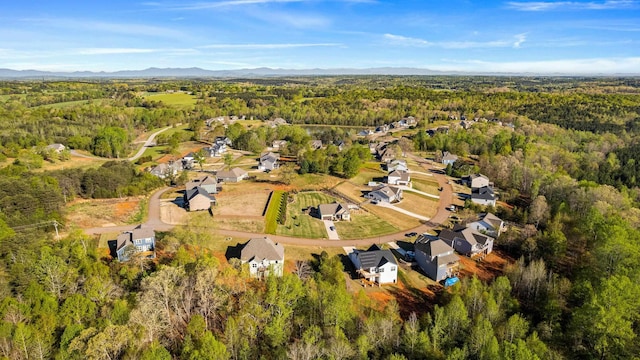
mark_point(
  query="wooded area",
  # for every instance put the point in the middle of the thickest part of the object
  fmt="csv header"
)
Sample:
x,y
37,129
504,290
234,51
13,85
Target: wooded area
x,y
562,151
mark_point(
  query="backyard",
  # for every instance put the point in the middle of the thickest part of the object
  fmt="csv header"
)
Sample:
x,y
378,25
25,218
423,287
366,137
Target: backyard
x,y
300,223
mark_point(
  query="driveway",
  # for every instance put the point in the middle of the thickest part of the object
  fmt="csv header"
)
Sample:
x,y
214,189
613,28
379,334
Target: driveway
x,y
333,234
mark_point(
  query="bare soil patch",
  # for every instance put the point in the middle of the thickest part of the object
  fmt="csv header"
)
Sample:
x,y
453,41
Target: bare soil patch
x,y
101,212
241,203
486,269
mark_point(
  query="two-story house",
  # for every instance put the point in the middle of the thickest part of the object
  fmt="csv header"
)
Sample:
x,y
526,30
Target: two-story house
x,y
141,239
399,177
436,258
489,224
467,241
268,161
375,265
263,256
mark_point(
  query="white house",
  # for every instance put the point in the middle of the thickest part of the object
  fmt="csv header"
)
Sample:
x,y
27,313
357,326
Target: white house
x,y
483,196
489,224
448,158
268,161
385,193
375,265
264,257
397,165
399,178
476,180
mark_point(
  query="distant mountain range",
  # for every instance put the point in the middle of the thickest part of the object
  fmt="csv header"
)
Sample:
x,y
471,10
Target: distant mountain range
x,y
195,72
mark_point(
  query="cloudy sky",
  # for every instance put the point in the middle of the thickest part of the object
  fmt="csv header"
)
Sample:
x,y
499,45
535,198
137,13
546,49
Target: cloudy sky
x,y
583,37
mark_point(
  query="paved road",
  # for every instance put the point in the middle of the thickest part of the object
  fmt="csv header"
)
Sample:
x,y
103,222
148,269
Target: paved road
x,y
135,157
441,216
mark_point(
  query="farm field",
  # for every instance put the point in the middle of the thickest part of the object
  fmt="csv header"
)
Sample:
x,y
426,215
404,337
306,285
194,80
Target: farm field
x,y
174,99
67,104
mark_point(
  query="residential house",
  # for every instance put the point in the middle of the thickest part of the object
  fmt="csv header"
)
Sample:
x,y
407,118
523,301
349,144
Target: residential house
x,y
488,223
264,257
268,161
436,258
315,144
335,211
141,239
399,178
216,150
211,122
365,132
167,170
223,140
387,155
448,158
397,165
466,124
55,147
375,265
384,193
407,121
383,128
278,144
340,144
467,241
233,175
197,199
476,181
483,196
209,183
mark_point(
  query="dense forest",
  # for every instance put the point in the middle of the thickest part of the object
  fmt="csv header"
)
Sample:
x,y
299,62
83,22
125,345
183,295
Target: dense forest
x,y
567,167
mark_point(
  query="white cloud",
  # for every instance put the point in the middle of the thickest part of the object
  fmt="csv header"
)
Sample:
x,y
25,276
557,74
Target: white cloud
x,y
571,5
267,46
591,66
416,42
116,28
113,51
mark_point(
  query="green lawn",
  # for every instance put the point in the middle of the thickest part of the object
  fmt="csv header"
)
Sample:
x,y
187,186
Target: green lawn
x,y
271,217
176,99
367,173
363,225
303,225
425,185
69,104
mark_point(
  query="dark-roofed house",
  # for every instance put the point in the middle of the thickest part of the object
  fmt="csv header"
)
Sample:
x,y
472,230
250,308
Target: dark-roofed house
x,y
385,194
141,239
467,241
263,256
398,178
476,180
198,199
375,265
268,161
209,183
489,224
436,258
386,155
448,158
233,175
483,196
335,211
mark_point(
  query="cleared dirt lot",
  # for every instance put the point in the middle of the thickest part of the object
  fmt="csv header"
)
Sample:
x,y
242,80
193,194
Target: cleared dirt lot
x,y
102,212
241,203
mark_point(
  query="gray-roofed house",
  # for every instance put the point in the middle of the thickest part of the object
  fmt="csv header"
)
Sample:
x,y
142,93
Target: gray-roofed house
x,y
467,241
55,147
263,256
448,158
198,199
476,180
397,165
278,144
315,144
489,224
268,161
399,178
436,258
141,239
375,265
387,154
166,170
209,183
385,193
483,196
234,175
334,211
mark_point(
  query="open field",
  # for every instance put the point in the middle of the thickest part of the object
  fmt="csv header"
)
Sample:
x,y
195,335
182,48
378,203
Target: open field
x,y
351,191
301,224
74,162
399,220
425,184
176,99
418,204
240,203
68,104
367,174
363,225
102,212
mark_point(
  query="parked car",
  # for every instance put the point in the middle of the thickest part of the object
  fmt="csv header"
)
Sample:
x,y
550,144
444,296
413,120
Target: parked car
x,y
332,228
410,256
411,234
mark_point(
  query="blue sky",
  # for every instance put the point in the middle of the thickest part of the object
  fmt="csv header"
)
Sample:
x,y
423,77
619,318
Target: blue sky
x,y
583,37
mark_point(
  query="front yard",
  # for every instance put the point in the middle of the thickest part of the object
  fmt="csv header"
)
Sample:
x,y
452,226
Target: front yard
x,y
300,223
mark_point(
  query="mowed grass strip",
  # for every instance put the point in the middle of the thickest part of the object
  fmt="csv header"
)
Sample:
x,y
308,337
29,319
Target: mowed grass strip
x,y
424,185
418,204
304,225
178,99
363,225
271,217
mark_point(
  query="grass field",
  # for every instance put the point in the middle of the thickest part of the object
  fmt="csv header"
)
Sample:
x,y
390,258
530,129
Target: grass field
x,y
419,204
351,191
366,174
303,225
422,183
175,99
399,220
363,225
273,210
69,104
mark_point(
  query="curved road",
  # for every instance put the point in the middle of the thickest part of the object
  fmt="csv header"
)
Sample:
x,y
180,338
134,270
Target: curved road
x,y
441,216
132,158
